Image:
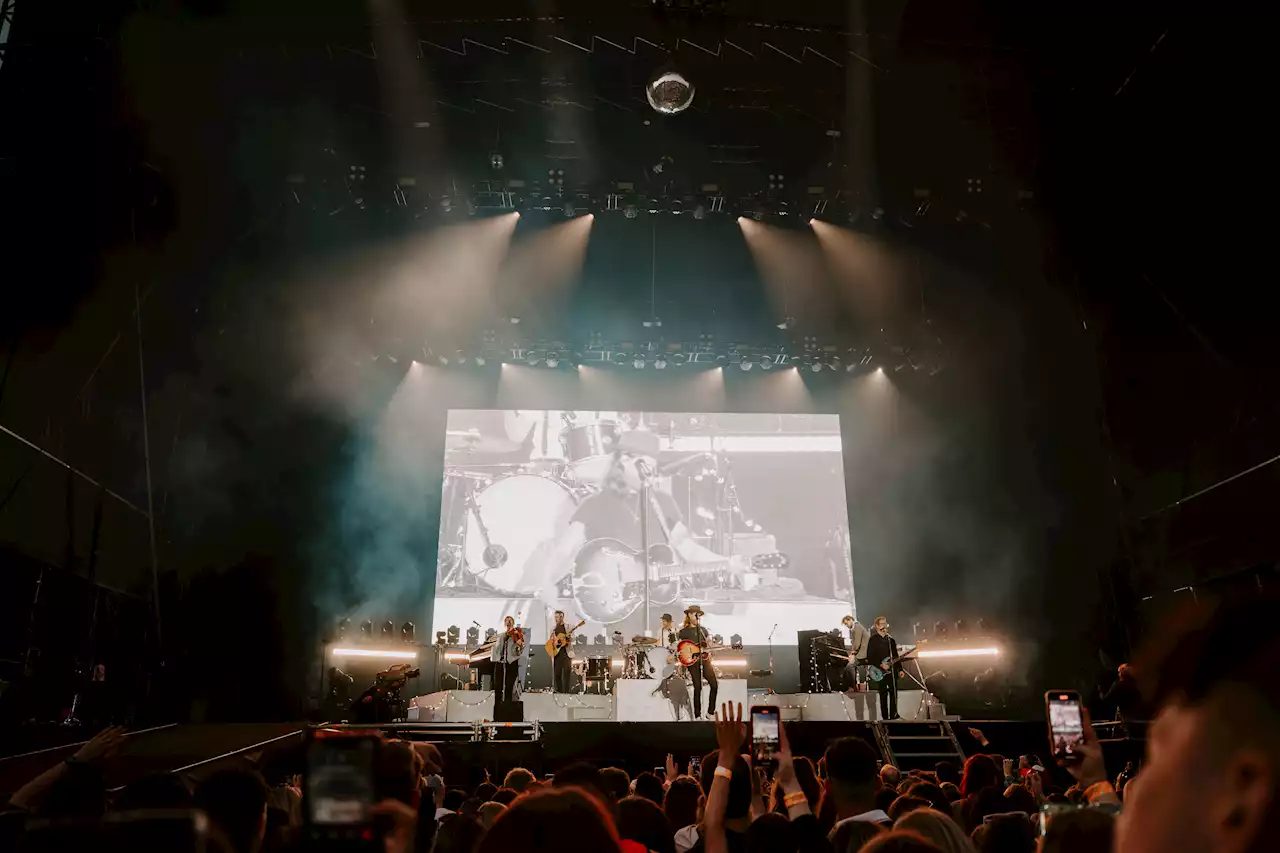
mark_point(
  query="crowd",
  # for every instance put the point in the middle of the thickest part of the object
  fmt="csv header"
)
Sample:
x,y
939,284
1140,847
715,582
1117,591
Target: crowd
x,y
1210,782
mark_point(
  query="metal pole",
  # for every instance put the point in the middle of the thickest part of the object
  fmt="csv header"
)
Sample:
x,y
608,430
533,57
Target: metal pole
x,y
146,455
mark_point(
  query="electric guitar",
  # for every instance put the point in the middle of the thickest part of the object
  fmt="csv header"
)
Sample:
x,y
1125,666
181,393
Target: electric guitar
x,y
556,642
875,673
608,577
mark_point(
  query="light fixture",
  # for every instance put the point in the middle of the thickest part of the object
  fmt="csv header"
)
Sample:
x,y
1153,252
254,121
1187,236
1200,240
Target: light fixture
x,y
766,363
366,629
581,639
989,651
735,640
659,362
630,211
598,639
553,360
490,633
746,364
440,638
453,634
638,362
473,635
532,358
481,361
816,366
344,625
407,631
402,654
669,92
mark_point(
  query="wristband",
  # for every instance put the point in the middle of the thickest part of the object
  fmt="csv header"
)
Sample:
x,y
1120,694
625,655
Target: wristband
x,y
1098,789
724,771
795,798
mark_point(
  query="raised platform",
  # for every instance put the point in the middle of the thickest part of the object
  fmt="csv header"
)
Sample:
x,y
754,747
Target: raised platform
x,y
637,701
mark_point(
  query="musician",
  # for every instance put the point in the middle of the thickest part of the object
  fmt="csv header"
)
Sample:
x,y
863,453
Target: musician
x,y
882,645
614,513
856,672
508,647
693,631
562,663
667,632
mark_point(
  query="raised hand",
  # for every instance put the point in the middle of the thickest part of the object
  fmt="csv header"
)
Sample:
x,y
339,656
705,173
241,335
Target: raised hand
x,y
672,770
102,745
730,731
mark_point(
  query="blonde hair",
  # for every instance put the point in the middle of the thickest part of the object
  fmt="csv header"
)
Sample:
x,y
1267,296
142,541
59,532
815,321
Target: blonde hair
x,y
688,621
938,828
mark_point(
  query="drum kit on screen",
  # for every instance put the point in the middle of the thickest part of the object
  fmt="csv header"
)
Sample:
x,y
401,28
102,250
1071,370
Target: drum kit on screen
x,y
506,498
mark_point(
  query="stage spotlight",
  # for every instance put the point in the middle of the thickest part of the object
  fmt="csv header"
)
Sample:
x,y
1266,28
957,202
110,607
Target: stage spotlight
x,y
388,629
407,631
532,358
766,362
659,362
344,625
735,640
598,639
638,362
568,209
453,635
816,366
982,627
746,364
630,211
440,638
553,360
481,361
961,629
699,213
366,629
490,633
850,367
679,359
473,636
496,161
580,640
939,630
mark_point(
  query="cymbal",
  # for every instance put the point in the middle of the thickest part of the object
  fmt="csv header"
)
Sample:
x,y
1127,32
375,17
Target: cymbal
x,y
644,641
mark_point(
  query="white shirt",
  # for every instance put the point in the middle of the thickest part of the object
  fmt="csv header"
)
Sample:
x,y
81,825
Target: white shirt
x,y
442,812
873,816
686,837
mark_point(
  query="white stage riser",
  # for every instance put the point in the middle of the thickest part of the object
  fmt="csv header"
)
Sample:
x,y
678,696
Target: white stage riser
x,y
636,702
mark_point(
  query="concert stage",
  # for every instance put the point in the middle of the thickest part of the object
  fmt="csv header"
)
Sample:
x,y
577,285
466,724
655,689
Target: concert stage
x,y
637,701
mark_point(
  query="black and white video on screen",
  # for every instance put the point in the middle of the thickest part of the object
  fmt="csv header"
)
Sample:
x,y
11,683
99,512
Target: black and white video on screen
x,y
745,517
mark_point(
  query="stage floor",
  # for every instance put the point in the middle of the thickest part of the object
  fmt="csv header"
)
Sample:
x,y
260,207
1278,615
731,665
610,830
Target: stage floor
x,y
640,700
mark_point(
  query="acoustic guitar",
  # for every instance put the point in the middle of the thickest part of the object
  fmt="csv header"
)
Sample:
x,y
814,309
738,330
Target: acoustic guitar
x,y
556,642
688,652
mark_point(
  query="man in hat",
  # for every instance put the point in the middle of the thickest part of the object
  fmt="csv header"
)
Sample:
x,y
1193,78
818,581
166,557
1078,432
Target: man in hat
x,y
701,668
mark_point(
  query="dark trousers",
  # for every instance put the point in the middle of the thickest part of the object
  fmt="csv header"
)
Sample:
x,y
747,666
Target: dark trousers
x,y
562,672
505,676
699,671
888,697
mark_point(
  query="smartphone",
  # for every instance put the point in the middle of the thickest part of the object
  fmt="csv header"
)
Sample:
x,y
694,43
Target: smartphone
x,y
1066,722
766,736
339,785
660,772
695,766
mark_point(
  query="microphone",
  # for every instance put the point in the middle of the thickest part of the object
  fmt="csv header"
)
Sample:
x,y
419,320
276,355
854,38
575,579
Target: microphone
x,y
672,467
477,624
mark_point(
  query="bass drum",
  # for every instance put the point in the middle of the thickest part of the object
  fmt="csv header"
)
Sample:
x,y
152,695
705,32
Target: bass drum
x,y
522,515
589,449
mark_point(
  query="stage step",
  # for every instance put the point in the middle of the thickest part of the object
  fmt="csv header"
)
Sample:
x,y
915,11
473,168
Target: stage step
x,y
917,745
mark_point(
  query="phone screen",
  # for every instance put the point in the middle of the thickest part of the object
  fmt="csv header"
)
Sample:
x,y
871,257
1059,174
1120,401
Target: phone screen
x,y
1066,722
340,785
695,766
765,737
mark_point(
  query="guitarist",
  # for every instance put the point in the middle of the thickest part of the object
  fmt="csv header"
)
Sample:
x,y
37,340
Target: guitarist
x,y
701,668
561,664
882,645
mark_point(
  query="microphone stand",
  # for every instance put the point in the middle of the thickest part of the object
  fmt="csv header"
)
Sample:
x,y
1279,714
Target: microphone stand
x,y
642,470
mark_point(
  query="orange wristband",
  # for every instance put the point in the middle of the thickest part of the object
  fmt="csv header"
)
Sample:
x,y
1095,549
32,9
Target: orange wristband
x,y
724,771
1098,789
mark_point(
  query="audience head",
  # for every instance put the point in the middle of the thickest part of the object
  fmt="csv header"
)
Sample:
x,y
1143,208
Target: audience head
x,y
157,791
885,797
852,835
739,805
851,774
951,789
890,776
453,799
615,782
771,833
640,820
1005,833
398,772
935,795
548,820
580,774
680,805
938,827
904,804
980,771
458,834
947,772
489,813
976,809
649,787
485,791
1021,800
236,802
1211,780
505,796
517,779
900,841
1079,831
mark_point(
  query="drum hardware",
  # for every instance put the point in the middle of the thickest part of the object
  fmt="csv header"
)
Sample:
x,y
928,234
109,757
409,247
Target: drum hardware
x,y
644,641
589,448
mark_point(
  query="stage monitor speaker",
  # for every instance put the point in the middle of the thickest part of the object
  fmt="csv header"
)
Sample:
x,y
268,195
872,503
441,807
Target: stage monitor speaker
x,y
508,712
